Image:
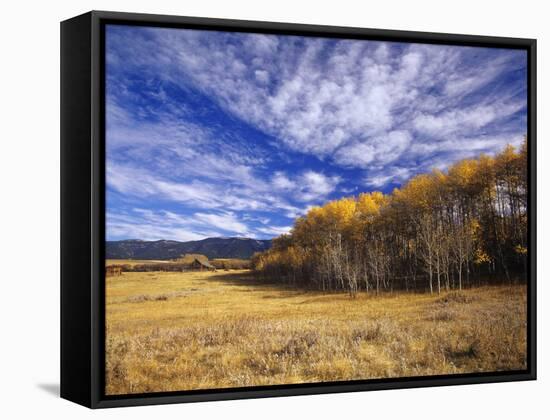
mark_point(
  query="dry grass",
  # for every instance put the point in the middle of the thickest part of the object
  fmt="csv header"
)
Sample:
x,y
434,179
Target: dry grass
x,y
134,262
180,331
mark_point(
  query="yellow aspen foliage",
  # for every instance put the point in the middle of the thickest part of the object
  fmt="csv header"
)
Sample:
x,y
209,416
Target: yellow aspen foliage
x,y
440,229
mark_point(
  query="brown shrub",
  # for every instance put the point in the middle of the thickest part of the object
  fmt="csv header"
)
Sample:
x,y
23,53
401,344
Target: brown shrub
x,y
467,350
443,315
147,298
456,297
298,344
368,332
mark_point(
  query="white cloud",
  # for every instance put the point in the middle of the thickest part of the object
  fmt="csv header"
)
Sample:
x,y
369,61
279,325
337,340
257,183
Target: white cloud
x,y
391,110
463,82
458,147
139,183
378,150
307,186
226,221
281,182
392,175
462,120
262,76
440,155
148,225
275,230
150,232
162,224
352,100
314,185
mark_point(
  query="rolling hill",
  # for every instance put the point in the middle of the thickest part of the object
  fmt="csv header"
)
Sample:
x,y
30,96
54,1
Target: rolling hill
x,y
164,250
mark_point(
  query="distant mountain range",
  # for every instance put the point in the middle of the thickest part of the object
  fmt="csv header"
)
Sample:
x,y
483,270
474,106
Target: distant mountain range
x,y
165,250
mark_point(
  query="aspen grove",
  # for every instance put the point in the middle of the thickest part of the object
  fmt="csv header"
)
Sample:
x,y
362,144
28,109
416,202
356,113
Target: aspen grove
x,y
462,227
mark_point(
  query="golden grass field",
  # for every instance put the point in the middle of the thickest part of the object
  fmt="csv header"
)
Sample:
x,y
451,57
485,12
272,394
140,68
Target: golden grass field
x,y
134,262
181,331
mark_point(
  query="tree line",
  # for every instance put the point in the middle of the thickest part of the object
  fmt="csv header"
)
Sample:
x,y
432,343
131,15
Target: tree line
x,y
441,230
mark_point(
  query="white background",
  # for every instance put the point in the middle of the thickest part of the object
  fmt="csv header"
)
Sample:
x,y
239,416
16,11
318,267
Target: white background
x,y
29,206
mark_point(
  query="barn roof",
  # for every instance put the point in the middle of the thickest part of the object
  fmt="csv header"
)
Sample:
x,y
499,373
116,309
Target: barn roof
x,y
204,263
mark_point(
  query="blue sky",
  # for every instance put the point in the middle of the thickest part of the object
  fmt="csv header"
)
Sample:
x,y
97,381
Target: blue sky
x,y
226,134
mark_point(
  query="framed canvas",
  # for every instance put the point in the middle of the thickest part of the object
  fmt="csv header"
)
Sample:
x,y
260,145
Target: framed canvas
x,y
254,209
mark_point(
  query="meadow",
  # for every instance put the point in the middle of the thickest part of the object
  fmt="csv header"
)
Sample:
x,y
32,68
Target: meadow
x,y
130,262
170,331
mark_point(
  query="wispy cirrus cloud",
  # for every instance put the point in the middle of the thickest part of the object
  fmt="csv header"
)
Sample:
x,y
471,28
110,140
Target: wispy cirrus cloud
x,y
275,230
381,150
307,186
140,183
262,127
147,224
324,94
378,179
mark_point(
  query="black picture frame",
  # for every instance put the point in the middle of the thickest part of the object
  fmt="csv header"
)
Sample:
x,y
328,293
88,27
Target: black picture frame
x,y
83,209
